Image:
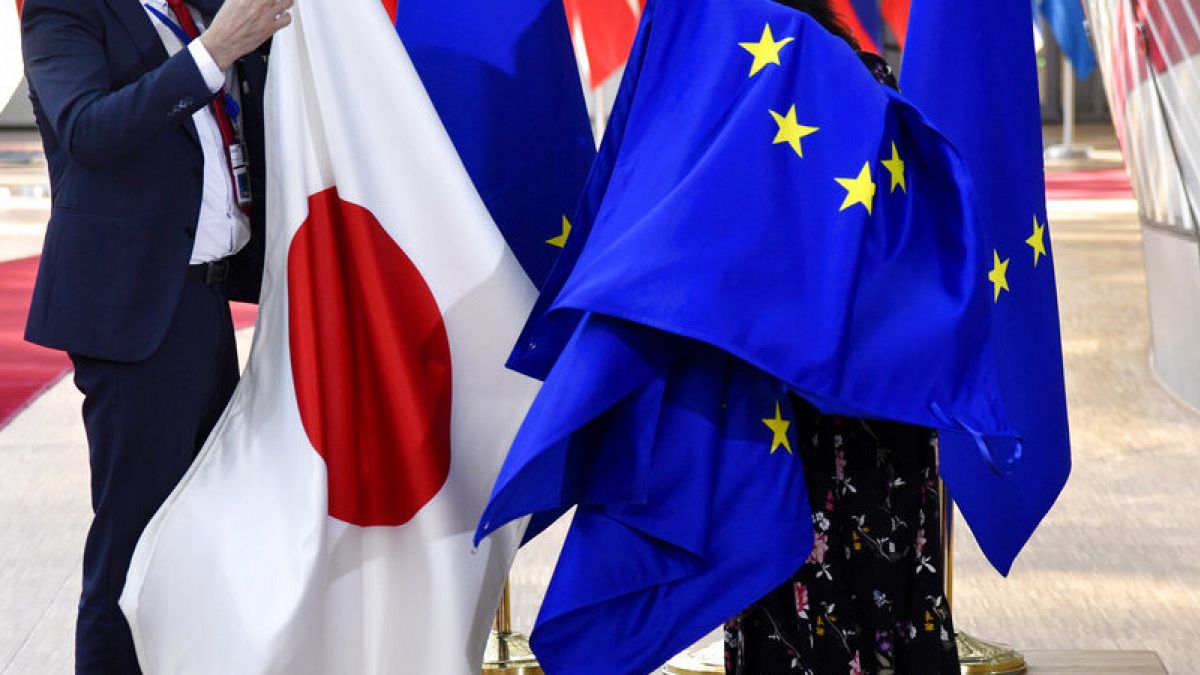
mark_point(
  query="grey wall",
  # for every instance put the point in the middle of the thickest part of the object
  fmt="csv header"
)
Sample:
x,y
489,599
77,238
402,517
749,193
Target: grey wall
x,y
1173,284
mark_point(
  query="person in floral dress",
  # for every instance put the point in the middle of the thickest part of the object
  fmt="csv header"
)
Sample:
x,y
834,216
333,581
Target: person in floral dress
x,y
871,596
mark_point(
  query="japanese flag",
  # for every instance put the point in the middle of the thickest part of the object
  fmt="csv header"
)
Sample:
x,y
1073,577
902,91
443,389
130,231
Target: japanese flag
x,y
326,526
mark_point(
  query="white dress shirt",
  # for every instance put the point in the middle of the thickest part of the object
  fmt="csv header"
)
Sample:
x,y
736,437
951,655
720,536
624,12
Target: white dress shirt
x,y
222,229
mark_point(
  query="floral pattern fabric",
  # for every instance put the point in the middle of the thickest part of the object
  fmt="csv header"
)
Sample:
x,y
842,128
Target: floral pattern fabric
x,y
870,598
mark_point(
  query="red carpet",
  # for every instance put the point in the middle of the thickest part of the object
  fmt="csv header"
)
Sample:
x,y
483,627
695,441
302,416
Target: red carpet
x,y
1088,184
28,370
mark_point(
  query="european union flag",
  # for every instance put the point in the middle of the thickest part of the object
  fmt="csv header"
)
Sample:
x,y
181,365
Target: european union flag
x,y
971,67
503,78
764,219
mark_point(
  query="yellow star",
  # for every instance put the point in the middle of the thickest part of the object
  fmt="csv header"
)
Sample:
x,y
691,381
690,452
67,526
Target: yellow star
x,y
561,240
765,51
1037,241
790,131
895,166
859,190
779,427
998,276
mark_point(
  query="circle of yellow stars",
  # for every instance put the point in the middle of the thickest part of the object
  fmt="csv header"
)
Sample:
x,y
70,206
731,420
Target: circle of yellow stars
x,y
860,189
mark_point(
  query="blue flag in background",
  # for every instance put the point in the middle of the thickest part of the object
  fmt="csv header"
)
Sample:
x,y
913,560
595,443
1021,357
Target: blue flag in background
x,y
971,68
763,219
503,78
1067,22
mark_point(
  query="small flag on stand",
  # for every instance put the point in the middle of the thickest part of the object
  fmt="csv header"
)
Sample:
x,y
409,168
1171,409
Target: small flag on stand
x,y
971,68
326,526
1067,22
764,219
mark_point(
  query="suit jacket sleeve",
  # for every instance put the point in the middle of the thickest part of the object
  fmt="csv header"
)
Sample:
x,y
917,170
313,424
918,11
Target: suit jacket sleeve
x,y
96,123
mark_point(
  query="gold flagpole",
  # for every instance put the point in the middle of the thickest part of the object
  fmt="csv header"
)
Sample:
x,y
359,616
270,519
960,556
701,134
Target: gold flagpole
x,y
508,653
975,656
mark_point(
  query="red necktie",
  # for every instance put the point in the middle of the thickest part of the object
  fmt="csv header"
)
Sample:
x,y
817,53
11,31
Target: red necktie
x,y
224,123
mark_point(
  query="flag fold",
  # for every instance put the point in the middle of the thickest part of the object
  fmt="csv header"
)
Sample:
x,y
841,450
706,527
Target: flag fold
x,y
763,219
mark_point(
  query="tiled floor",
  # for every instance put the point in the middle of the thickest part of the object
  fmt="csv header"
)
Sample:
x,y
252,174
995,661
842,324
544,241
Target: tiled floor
x,y
1115,566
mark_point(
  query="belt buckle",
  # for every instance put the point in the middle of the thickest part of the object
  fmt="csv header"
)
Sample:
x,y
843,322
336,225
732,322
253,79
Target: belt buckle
x,y
217,273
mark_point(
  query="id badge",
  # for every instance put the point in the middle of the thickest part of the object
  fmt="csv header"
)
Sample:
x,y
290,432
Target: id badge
x,y
241,173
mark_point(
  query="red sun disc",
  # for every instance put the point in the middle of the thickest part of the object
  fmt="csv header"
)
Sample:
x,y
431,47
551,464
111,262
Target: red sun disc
x,y
371,362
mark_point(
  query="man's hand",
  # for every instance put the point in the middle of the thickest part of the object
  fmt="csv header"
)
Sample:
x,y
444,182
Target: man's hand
x,y
242,25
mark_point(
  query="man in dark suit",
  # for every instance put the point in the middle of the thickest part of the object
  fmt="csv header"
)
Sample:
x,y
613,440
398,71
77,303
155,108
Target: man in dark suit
x,y
153,133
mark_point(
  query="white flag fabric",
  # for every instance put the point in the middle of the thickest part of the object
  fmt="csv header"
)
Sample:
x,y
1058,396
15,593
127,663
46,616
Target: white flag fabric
x,y
11,67
326,526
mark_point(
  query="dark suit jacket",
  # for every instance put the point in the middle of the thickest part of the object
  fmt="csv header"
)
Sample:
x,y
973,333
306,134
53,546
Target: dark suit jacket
x,y
126,174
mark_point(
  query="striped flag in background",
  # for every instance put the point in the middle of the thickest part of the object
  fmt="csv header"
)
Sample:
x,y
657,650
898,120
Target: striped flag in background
x,y
866,20
603,31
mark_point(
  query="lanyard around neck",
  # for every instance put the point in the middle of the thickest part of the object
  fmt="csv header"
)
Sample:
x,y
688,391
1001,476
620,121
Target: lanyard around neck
x,y
231,105
170,23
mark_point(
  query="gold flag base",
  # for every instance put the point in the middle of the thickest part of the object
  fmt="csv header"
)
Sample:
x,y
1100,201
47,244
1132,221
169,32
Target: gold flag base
x,y
976,657
509,654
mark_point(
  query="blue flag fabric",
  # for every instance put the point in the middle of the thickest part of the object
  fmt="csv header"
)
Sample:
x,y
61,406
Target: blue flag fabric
x,y
1067,22
701,225
971,67
681,489
763,218
503,78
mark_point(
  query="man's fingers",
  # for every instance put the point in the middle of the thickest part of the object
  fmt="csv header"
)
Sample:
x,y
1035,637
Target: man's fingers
x,y
274,7
277,10
283,17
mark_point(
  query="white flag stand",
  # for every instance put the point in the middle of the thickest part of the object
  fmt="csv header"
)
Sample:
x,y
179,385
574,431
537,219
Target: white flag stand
x,y
1067,150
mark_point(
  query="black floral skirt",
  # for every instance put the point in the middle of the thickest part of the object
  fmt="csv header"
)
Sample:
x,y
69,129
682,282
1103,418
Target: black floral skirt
x,y
870,598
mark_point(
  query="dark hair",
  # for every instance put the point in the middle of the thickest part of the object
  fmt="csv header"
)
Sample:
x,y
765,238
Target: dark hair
x,y
824,14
